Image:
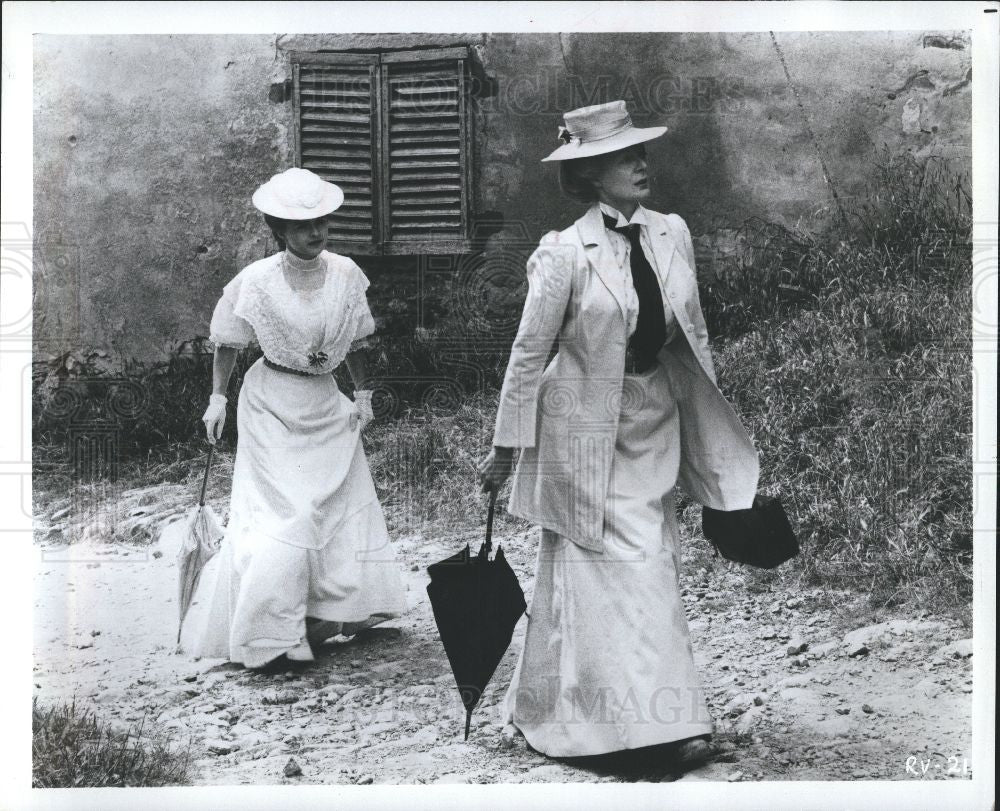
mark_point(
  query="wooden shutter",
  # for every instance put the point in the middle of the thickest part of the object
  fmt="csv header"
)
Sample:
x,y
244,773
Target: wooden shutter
x,y
425,150
392,130
336,115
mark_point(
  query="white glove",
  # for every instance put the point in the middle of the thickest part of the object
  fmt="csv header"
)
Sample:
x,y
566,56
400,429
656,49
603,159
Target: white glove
x,y
363,402
215,416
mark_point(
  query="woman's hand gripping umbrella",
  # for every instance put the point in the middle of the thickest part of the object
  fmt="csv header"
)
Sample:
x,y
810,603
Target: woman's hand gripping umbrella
x,y
476,602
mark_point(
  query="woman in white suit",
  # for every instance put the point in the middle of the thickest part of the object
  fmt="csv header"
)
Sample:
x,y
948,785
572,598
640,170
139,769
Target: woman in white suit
x,y
627,408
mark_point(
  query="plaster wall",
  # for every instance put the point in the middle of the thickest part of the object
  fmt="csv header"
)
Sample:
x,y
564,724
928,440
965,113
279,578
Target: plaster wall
x,y
147,148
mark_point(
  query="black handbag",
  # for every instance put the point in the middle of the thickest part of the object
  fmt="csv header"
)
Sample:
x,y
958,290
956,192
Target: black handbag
x,y
760,536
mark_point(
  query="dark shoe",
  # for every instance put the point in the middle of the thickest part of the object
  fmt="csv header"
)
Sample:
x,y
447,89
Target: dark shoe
x,y
277,665
280,665
319,631
693,752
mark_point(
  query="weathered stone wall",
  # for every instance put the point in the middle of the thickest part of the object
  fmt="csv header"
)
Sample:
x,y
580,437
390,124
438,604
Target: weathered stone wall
x,y
147,150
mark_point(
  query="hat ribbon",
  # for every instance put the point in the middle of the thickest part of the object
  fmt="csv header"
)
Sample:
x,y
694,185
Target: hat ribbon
x,y
566,137
606,129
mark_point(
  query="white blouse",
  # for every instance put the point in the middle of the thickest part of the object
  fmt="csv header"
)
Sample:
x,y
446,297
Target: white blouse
x,y
305,314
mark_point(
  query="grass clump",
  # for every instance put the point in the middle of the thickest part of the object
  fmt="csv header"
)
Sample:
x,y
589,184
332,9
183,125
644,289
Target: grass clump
x,y
849,358
424,464
105,413
72,748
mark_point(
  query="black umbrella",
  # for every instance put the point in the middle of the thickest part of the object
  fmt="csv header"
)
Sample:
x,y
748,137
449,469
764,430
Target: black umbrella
x,y
760,536
477,602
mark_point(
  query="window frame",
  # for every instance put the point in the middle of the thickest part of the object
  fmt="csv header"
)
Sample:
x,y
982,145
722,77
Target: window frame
x,y
382,244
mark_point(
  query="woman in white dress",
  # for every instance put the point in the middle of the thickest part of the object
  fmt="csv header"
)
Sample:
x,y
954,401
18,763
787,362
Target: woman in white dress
x,y
627,408
306,553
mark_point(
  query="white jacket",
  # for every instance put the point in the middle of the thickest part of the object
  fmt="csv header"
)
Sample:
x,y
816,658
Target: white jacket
x,y
565,416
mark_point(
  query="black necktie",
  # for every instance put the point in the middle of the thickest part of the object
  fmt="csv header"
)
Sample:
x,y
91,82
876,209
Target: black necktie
x,y
651,325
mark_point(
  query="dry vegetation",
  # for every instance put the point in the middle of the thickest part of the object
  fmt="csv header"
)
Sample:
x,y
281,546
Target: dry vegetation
x,y
72,747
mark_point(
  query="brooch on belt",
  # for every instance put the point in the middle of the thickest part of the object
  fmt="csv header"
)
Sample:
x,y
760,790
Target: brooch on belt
x,y
317,358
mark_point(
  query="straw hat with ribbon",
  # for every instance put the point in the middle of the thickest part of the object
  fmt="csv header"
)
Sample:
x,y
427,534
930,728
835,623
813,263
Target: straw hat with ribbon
x,y
599,129
298,194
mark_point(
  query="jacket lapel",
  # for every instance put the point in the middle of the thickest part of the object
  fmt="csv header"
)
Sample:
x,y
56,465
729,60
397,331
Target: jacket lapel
x,y
599,254
666,254
679,292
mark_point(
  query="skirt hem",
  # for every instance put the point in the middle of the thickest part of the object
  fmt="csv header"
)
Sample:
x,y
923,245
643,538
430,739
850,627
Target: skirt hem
x,y
675,735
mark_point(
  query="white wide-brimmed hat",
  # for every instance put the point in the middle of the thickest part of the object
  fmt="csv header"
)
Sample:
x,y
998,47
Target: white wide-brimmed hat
x,y
298,194
599,129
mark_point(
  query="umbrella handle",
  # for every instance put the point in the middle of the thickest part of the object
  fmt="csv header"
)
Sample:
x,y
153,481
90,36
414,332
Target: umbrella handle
x,y
489,522
204,481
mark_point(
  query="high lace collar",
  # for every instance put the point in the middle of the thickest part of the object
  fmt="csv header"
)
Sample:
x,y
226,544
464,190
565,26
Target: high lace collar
x,y
297,263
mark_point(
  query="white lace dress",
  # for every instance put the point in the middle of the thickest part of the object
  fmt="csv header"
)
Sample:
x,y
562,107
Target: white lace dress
x,y
306,536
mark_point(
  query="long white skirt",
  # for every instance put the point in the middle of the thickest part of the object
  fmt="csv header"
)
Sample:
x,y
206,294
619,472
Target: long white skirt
x,y
607,662
306,535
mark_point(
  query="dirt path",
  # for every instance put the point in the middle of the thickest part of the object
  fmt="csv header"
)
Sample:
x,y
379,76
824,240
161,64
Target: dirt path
x,y
890,700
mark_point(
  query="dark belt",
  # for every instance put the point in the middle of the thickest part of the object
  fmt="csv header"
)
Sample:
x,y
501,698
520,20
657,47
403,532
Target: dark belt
x,y
271,365
636,364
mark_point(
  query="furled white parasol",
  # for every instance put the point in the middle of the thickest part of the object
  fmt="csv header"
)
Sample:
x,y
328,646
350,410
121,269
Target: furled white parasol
x,y
201,542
